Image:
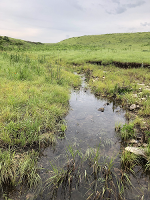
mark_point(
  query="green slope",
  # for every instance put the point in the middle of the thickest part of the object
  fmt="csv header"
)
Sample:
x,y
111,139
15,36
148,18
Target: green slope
x,y
141,38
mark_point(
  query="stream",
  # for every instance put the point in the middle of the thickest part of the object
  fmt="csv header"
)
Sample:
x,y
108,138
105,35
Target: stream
x,y
87,127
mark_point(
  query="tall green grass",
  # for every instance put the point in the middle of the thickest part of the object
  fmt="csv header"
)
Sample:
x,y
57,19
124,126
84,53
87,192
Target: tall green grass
x,y
34,96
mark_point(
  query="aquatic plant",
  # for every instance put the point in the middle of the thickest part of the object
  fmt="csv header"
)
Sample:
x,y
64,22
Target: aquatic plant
x,y
97,178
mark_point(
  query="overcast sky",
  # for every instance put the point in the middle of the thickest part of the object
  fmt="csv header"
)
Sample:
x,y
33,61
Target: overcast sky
x,y
51,21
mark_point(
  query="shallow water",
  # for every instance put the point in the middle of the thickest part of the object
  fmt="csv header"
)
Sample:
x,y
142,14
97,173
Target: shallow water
x,y
87,127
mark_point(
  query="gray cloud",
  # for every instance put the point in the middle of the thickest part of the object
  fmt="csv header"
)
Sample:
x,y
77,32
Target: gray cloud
x,y
138,3
119,7
120,10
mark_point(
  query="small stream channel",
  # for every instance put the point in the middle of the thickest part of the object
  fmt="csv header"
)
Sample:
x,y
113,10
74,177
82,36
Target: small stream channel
x,y
88,127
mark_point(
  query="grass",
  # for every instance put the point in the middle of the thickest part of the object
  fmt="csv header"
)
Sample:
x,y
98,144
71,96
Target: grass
x,y
31,102
18,169
34,96
129,161
127,131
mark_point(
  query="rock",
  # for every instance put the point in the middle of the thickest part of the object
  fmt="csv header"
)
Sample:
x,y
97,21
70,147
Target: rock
x,y
142,84
135,95
132,107
17,156
132,141
143,99
29,196
101,109
137,151
145,145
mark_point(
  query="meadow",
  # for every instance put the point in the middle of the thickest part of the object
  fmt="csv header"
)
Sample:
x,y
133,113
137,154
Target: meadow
x,y
35,82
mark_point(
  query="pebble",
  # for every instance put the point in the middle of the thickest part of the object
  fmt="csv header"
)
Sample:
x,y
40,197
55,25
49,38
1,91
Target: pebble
x,y
101,109
132,107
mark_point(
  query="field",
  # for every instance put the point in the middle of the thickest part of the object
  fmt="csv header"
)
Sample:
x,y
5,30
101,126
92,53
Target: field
x,y
35,82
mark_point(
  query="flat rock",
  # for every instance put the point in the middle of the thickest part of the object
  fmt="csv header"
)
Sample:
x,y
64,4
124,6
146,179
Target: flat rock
x,y
137,151
132,107
142,84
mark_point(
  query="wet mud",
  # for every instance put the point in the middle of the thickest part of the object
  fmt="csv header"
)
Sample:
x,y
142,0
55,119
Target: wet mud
x,y
124,65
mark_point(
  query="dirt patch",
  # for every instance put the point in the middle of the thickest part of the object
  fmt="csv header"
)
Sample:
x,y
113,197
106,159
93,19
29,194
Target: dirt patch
x,y
125,65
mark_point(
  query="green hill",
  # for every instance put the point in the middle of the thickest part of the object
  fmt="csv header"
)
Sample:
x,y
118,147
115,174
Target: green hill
x,y
7,43
109,40
119,47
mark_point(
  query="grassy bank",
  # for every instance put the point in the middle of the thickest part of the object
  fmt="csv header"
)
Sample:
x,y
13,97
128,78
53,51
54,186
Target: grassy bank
x,y
131,88
34,95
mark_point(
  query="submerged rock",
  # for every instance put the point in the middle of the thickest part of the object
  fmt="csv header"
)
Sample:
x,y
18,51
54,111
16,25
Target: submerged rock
x,y
137,151
101,109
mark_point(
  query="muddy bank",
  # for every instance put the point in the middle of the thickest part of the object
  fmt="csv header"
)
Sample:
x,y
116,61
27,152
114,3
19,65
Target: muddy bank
x,y
121,64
